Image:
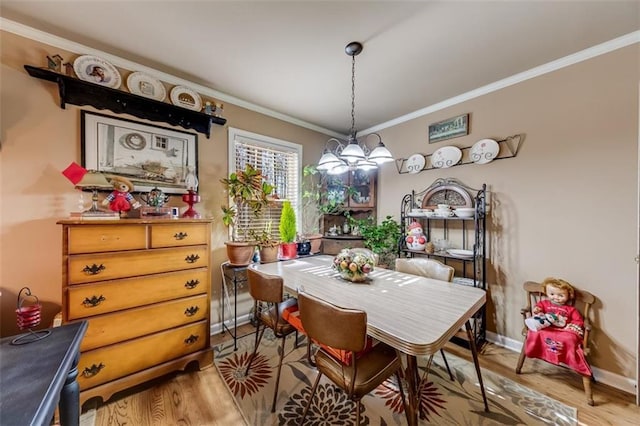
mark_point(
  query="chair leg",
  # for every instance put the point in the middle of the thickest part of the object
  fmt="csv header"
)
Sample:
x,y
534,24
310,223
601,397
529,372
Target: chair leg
x,y
259,334
521,359
275,393
357,412
313,392
444,358
404,401
586,381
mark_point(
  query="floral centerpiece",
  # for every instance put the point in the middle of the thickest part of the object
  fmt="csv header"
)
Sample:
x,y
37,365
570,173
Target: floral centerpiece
x,y
354,264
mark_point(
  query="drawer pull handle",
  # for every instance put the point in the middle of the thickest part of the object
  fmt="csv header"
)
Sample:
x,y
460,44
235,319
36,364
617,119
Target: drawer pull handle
x,y
192,284
191,311
191,340
93,269
192,258
180,235
93,302
93,370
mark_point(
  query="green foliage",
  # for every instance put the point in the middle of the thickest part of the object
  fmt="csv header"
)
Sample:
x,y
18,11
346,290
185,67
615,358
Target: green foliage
x,y
245,188
287,223
311,190
381,239
264,238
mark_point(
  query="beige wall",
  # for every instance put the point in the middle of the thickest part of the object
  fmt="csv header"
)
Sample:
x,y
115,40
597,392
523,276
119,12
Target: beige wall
x,y
39,139
566,205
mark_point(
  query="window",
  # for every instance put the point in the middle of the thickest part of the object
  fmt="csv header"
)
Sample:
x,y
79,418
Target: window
x,y
279,162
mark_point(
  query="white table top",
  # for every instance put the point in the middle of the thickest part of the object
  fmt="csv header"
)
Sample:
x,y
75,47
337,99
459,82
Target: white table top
x,y
414,314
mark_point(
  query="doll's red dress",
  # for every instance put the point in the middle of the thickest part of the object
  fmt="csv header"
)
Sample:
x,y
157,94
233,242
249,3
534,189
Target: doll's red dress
x,y
558,345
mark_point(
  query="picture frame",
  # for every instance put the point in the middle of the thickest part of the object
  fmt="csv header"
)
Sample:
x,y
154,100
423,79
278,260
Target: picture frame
x,y
450,128
149,156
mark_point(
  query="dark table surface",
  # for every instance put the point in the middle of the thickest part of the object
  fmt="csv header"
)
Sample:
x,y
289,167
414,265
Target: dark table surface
x,y
32,375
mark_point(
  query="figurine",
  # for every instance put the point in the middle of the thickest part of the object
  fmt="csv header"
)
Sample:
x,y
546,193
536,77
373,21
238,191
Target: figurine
x,y
415,237
54,63
120,200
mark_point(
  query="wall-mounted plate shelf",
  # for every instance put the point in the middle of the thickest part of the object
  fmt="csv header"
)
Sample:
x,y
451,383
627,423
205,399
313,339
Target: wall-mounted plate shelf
x,y
79,92
508,149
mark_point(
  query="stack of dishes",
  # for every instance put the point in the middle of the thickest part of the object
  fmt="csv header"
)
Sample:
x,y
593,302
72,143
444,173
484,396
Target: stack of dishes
x,y
444,210
465,212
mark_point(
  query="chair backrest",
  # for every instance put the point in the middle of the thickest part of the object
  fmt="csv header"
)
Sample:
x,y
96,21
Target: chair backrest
x,y
429,268
340,328
263,287
583,302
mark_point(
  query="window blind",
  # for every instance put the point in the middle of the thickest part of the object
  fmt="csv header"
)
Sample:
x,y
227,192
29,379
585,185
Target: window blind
x,y
279,162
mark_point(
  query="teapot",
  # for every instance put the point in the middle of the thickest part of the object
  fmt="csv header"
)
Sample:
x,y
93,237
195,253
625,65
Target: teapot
x,y
155,198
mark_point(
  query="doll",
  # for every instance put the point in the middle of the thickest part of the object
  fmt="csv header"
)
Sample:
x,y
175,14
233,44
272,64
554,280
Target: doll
x,y
557,328
120,199
555,311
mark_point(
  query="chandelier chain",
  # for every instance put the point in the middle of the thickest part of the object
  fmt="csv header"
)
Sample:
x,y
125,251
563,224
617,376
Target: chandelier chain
x,y
353,96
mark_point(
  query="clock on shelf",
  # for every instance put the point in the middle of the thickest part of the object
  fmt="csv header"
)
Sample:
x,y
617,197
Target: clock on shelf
x,y
451,194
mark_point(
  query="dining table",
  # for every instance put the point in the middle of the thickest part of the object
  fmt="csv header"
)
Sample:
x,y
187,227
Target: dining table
x,y
414,314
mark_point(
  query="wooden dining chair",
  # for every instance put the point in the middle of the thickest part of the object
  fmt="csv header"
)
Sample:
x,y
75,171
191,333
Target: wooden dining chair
x,y
583,301
267,292
429,268
346,329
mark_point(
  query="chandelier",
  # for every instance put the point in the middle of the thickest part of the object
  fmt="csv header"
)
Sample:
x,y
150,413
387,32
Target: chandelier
x,y
338,156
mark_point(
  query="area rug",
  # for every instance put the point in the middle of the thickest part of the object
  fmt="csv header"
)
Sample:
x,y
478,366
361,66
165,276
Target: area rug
x,y
443,402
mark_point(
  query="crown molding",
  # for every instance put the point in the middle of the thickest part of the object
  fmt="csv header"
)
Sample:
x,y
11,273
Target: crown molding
x,y
583,55
62,43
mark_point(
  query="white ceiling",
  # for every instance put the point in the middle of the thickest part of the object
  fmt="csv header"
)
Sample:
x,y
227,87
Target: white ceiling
x,y
288,56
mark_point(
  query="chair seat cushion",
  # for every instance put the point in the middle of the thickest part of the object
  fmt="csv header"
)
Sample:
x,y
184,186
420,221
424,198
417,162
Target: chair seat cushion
x,y
292,316
269,317
374,367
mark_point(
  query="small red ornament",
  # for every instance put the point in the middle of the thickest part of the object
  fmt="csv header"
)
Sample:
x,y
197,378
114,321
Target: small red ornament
x,y
191,198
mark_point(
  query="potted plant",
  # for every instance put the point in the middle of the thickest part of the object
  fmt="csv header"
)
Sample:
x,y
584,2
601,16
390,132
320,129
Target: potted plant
x,y
267,245
381,239
311,209
288,231
249,195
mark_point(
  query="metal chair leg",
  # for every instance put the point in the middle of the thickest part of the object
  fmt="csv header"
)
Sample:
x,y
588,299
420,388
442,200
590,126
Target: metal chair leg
x,y
275,393
313,392
259,334
404,401
357,412
444,358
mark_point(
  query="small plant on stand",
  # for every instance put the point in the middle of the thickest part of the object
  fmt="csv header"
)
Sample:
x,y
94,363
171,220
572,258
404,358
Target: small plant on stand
x,y
267,245
288,231
248,194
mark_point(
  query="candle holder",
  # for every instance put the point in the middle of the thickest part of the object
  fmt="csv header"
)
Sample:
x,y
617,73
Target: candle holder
x,y
191,198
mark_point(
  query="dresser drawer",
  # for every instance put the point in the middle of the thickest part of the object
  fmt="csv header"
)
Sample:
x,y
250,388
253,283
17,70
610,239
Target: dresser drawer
x,y
179,234
111,362
85,268
92,239
107,329
84,300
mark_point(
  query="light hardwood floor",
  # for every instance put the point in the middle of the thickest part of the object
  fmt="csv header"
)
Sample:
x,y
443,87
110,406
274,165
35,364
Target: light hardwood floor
x,y
201,398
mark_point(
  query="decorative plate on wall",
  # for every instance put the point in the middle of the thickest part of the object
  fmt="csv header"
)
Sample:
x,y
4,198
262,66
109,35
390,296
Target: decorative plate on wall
x,y
97,70
145,85
186,98
415,163
484,151
446,156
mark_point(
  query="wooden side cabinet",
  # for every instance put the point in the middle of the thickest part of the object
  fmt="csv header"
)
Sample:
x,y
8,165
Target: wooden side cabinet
x,y
144,288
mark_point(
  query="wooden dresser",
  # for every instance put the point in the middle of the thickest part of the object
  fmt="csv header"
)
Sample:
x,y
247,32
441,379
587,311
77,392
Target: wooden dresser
x,y
144,287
